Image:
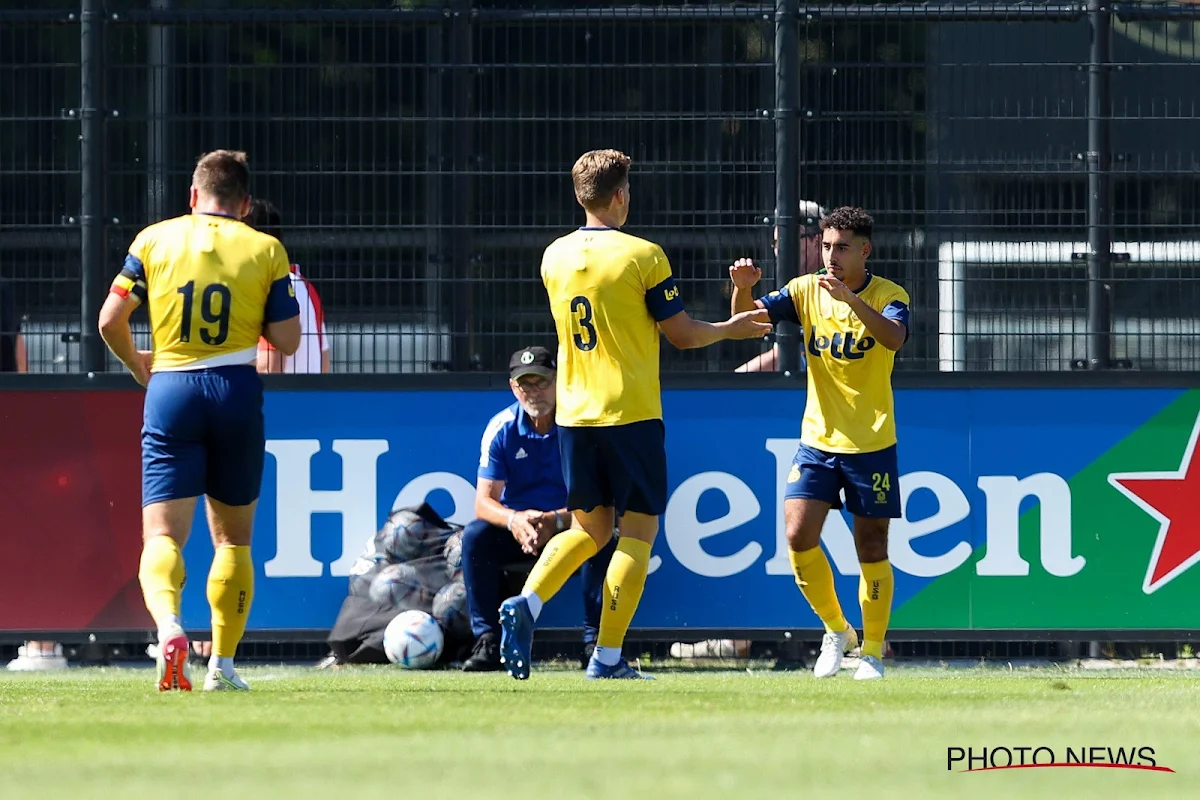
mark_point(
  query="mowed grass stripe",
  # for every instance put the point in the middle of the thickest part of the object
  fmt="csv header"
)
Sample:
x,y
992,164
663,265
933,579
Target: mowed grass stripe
x,y
383,732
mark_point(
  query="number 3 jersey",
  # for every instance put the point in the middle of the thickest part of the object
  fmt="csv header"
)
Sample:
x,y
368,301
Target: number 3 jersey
x,y
608,291
850,406
211,283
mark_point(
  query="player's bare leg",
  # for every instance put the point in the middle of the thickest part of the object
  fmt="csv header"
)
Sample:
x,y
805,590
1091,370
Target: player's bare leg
x,y
165,529
565,553
623,586
803,520
230,589
875,590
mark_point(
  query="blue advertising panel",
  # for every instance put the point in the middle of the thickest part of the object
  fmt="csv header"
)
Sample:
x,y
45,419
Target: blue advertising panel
x,y
971,462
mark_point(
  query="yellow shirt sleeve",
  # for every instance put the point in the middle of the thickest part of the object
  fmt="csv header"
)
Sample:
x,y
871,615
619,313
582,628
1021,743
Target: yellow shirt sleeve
x,y
662,295
655,268
140,247
281,293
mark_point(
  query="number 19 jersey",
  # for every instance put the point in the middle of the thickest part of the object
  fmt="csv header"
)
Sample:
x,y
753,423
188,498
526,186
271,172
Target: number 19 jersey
x,y
608,291
211,283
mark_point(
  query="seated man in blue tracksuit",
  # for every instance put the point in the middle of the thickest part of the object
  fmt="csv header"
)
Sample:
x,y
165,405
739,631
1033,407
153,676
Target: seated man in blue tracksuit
x,y
520,503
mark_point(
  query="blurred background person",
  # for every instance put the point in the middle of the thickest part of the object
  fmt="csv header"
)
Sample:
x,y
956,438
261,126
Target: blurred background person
x,y
313,355
810,261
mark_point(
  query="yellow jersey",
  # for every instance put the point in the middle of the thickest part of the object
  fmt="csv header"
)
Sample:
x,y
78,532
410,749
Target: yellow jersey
x,y
850,407
608,291
211,283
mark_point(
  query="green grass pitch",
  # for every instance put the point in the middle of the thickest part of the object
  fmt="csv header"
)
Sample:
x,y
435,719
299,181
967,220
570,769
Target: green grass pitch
x,y
382,732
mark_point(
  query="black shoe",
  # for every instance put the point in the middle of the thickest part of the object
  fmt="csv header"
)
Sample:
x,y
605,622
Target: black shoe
x,y
588,649
485,656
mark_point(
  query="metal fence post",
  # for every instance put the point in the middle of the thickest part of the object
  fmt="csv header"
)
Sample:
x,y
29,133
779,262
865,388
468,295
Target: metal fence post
x,y
160,56
1099,206
91,182
787,165
461,181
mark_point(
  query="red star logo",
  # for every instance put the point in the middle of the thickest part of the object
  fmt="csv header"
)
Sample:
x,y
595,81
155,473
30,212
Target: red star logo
x,y
1169,497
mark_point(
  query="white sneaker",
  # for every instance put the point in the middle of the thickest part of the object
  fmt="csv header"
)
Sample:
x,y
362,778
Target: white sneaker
x,y
37,662
870,668
218,681
711,648
833,647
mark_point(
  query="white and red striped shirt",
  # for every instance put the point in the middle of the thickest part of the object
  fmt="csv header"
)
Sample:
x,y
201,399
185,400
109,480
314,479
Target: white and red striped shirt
x,y
313,341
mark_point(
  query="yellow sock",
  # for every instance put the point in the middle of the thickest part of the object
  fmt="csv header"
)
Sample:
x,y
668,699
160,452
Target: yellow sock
x,y
161,575
875,589
623,585
230,590
565,553
815,579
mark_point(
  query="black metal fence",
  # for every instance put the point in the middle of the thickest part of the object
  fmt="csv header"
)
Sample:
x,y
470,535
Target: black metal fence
x,y
1032,166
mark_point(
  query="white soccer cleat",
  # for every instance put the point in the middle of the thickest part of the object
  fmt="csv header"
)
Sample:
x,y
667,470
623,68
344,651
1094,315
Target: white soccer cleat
x,y
218,681
870,668
834,647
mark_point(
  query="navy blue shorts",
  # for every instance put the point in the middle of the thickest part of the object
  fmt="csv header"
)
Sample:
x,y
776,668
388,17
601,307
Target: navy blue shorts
x,y
871,480
622,466
202,434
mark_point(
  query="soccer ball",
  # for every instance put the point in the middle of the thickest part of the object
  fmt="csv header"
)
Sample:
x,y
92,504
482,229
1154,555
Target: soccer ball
x,y
450,610
452,552
401,585
413,640
406,536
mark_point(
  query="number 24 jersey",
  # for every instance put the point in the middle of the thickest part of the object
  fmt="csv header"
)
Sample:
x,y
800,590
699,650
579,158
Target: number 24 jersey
x,y
211,283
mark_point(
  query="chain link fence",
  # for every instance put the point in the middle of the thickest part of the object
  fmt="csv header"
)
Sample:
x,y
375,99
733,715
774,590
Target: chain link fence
x,y
1035,187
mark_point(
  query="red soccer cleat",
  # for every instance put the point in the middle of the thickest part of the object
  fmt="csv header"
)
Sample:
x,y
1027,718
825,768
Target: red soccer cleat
x,y
173,664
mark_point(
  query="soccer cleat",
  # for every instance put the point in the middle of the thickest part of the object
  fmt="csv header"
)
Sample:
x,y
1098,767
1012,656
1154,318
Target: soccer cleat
x,y
516,636
218,681
870,668
619,671
833,647
172,662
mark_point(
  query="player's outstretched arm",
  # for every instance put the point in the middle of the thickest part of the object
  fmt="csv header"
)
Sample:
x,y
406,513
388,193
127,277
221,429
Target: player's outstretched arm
x,y
686,333
745,275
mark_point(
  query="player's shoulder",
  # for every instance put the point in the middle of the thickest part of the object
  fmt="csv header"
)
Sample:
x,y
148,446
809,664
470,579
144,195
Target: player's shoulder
x,y
800,284
162,229
571,240
500,424
888,288
558,248
254,239
639,248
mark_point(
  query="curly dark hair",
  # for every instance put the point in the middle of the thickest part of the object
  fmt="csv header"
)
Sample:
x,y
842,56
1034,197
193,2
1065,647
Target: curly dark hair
x,y
849,218
265,217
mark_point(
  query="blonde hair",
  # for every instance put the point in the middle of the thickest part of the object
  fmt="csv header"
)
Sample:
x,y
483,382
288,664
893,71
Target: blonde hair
x,y
223,176
598,174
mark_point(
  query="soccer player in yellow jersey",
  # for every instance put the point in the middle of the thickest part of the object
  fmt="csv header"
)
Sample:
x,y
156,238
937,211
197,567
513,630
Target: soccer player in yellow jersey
x,y
610,294
212,285
853,324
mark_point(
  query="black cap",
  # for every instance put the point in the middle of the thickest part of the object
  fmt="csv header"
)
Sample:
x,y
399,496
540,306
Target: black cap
x,y
531,361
